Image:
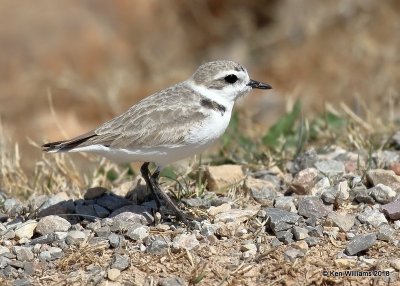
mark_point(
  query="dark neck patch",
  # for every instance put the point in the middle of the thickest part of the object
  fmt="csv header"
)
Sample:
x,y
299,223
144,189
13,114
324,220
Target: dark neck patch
x,y
208,103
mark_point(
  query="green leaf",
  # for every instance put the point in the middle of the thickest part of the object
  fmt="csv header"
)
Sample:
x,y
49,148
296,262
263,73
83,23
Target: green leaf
x,y
284,127
168,172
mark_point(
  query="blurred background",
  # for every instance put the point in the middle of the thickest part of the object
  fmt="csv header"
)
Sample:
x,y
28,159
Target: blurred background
x,y
66,66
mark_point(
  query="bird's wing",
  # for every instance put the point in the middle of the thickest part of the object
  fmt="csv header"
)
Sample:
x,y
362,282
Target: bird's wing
x,y
160,120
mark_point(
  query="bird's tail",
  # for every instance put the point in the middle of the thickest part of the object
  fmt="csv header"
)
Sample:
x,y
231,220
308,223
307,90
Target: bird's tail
x,y
67,145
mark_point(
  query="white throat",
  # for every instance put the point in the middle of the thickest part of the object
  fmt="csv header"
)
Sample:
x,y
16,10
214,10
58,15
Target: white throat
x,y
223,97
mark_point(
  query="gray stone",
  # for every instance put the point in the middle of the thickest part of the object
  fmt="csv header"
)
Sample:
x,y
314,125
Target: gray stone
x,y
285,236
185,241
100,211
265,194
12,206
197,202
362,195
103,231
277,215
75,237
337,194
292,253
120,262
55,252
285,203
22,282
382,194
29,268
279,226
330,168
44,239
45,256
115,240
300,233
392,210
344,221
306,159
386,233
137,232
58,204
172,281
157,245
360,243
316,231
236,215
275,242
320,187
373,217
209,229
385,177
10,271
4,261
94,193
311,206
4,251
51,224
112,202
311,241
24,253
133,213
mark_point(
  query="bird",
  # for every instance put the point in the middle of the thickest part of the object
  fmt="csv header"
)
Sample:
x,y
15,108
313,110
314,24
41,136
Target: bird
x,y
177,122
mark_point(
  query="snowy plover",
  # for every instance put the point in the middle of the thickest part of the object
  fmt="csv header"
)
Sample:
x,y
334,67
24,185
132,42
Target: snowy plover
x,y
172,124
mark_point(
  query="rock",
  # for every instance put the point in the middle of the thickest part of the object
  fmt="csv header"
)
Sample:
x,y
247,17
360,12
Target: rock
x,y
301,245
44,239
286,204
112,202
382,194
275,242
197,202
4,251
100,211
55,252
209,229
12,206
277,215
331,231
385,177
330,168
24,253
395,263
300,233
113,274
373,217
22,282
104,231
344,221
311,206
115,240
222,177
52,223
237,215
133,213
304,181
320,187
120,262
26,229
392,210
285,236
75,237
86,211
172,281
337,194
250,248
94,193
306,159
386,233
213,211
263,192
362,195
311,241
316,231
292,253
157,245
138,232
185,241
360,243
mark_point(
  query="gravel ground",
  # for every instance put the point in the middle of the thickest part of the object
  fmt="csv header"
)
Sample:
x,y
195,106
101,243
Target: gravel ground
x,y
325,219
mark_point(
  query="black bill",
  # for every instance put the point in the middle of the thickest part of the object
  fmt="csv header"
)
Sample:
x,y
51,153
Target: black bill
x,y
257,84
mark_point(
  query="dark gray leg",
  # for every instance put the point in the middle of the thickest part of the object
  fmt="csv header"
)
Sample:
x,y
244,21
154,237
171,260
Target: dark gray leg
x,y
152,183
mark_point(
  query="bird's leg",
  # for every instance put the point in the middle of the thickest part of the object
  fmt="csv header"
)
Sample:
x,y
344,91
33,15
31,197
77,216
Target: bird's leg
x,y
150,183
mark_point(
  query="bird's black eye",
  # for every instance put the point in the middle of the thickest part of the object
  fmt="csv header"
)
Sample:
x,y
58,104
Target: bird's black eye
x,y
231,78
